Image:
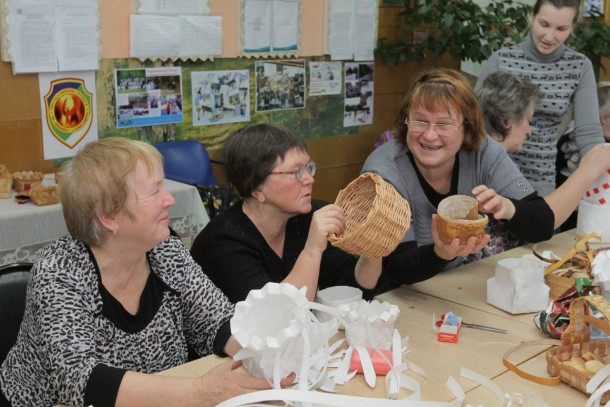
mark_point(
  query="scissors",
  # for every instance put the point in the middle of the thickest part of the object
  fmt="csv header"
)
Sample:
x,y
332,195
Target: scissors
x,y
475,326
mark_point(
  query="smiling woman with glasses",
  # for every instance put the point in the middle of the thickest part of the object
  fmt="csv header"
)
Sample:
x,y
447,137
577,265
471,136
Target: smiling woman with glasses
x,y
277,233
441,149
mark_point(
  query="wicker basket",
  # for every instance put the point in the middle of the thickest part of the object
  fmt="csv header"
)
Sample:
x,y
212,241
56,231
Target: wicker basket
x,y
560,274
377,217
23,180
459,217
576,343
44,195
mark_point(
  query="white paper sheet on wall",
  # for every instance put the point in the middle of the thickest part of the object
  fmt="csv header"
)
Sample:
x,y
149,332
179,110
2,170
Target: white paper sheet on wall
x,y
341,23
352,29
75,41
153,35
269,28
171,7
184,36
50,36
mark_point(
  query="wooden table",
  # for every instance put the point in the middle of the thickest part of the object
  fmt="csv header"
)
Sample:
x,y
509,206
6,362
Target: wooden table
x,y
463,291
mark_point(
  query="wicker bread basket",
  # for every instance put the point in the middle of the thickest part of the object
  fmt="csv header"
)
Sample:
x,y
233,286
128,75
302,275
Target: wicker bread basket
x,y
459,217
23,180
577,344
6,182
44,195
377,217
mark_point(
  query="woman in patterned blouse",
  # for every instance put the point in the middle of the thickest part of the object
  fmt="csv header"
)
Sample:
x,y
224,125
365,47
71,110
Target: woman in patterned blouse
x,y
119,299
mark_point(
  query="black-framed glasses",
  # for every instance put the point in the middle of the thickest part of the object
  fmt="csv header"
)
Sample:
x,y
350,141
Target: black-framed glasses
x,y
300,171
441,129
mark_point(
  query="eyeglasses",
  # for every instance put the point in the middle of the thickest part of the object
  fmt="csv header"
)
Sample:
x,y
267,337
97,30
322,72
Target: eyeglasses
x,y
300,171
441,129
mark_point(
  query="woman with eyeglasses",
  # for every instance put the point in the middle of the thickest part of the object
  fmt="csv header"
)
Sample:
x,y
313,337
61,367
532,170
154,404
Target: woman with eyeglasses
x,y
441,149
565,77
277,233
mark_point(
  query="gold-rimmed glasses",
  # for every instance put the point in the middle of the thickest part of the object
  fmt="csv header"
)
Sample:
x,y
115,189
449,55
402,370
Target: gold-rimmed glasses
x,y
441,129
300,171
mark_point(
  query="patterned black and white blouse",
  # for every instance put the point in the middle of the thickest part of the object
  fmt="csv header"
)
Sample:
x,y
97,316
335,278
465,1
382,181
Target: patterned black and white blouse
x,y
76,341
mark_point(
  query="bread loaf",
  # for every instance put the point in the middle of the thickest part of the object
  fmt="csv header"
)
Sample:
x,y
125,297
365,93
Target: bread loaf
x,y
44,195
6,182
25,179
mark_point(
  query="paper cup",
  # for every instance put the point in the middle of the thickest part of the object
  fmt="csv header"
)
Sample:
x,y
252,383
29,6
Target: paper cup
x,y
334,297
459,217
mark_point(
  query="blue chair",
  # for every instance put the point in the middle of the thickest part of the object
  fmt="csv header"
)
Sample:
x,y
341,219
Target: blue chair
x,y
13,287
187,161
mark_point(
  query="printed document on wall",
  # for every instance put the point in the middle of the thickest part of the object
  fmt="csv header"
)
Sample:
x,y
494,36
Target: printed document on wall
x,y
341,20
76,38
32,38
172,7
51,36
153,36
200,35
285,25
257,26
365,37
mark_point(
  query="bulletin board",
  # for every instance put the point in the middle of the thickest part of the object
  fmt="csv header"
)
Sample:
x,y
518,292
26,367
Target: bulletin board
x,y
321,117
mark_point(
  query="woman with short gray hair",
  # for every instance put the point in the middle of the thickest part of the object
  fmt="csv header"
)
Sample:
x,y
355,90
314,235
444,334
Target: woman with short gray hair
x,y
508,102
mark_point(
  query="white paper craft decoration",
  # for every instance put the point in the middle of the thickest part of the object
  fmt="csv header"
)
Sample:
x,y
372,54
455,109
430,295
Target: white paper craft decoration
x,y
594,209
370,324
277,332
280,335
518,285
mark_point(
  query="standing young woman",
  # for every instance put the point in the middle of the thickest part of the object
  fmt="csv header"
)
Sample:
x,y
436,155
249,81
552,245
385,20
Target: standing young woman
x,y
565,78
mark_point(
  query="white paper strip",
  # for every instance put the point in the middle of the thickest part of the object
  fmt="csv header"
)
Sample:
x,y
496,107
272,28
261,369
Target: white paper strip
x,y
367,366
340,400
483,381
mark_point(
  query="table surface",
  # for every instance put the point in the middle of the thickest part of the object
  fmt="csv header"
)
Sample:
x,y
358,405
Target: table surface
x,y
463,291
27,227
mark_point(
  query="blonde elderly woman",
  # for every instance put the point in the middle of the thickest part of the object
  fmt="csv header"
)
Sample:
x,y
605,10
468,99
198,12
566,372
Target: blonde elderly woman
x,y
119,299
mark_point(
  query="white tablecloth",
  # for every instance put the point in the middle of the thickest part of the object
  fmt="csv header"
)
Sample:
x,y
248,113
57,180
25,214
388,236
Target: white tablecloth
x,y
26,228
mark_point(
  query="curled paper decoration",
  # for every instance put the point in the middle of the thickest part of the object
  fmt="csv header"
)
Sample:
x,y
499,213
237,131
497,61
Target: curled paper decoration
x,y
370,324
280,335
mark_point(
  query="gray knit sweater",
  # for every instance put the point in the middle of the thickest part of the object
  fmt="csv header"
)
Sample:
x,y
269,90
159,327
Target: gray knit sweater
x,y
565,77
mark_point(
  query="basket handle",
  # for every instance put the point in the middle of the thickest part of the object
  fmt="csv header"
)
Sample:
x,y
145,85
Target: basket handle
x,y
579,244
577,311
550,381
